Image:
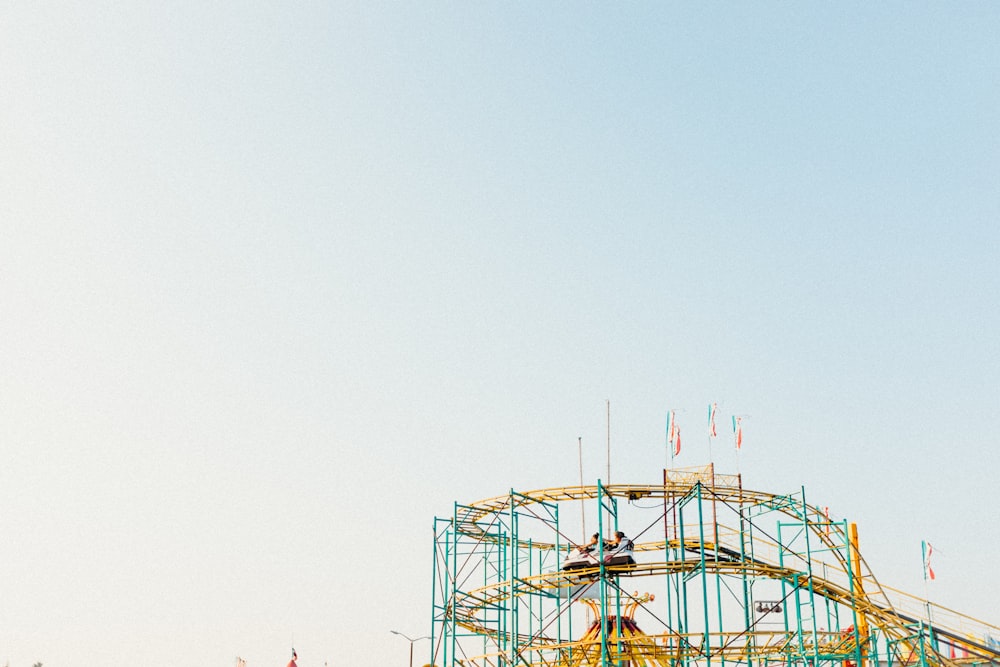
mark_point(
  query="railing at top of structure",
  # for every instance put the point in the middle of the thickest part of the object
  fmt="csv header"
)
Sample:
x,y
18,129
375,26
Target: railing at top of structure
x,y
704,474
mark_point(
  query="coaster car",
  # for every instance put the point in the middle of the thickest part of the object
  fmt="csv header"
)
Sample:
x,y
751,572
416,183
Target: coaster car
x,y
581,558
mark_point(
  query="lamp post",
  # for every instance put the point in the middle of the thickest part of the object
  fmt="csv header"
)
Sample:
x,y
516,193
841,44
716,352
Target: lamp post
x,y
412,642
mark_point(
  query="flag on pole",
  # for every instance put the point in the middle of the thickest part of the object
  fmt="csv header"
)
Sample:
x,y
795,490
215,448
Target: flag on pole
x,y
738,431
927,550
673,434
711,419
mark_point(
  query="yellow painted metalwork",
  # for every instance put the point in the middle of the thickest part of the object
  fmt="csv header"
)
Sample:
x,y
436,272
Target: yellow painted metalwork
x,y
505,610
859,583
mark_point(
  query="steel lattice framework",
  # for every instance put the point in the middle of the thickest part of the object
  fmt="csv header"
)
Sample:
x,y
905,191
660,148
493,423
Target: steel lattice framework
x,y
731,577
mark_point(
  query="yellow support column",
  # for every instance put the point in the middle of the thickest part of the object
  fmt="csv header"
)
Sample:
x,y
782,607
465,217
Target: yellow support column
x,y
859,591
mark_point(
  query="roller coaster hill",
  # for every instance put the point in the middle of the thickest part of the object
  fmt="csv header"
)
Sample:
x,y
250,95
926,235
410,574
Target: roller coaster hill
x,y
717,575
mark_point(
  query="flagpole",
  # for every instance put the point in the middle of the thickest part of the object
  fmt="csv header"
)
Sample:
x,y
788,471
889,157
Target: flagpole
x,y
738,438
738,448
711,429
583,505
673,436
608,402
925,555
669,444
670,437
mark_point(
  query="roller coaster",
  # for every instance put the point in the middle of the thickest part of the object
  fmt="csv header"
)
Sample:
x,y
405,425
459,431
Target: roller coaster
x,y
722,575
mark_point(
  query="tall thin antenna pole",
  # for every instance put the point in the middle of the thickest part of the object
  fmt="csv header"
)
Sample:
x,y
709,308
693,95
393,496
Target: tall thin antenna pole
x,y
608,402
583,505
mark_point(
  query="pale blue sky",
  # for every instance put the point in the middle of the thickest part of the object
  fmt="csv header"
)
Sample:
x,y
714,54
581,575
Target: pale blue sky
x,y
277,281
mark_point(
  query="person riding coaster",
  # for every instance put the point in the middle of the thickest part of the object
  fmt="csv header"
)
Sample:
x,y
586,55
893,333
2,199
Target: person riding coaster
x,y
616,552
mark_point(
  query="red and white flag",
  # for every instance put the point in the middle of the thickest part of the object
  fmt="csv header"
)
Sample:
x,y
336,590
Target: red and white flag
x,y
711,419
738,431
673,434
927,551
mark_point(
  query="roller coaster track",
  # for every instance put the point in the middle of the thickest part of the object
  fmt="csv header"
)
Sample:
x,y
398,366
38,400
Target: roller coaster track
x,y
846,581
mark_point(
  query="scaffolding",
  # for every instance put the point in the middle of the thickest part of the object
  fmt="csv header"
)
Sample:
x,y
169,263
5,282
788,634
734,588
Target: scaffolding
x,y
729,577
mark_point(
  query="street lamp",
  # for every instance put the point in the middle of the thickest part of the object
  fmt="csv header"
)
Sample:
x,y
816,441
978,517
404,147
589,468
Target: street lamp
x,y
412,642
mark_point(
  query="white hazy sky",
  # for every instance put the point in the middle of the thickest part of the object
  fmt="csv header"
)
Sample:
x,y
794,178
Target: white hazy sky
x,y
280,282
